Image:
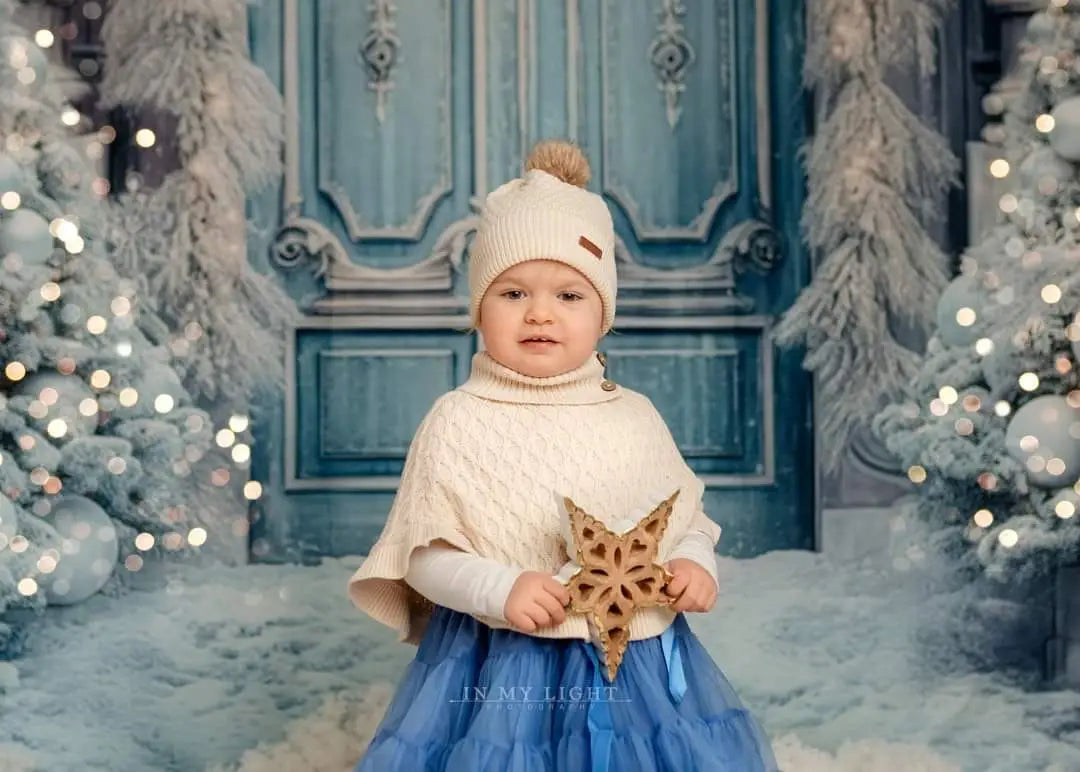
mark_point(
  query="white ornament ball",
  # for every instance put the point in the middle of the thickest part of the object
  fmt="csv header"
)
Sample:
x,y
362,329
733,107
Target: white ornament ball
x,y
9,522
959,308
17,56
88,554
70,391
12,176
1065,138
1040,27
156,381
1043,436
26,234
1041,163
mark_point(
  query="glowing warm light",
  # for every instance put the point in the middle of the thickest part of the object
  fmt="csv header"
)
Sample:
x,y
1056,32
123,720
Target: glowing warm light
x,y
15,371
96,324
120,306
57,428
10,200
27,586
1051,293
225,438
1028,381
50,291
145,138
1008,537
948,395
238,423
1065,509
100,379
75,245
163,403
983,518
44,38
144,541
916,474
1045,123
197,537
1002,408
116,465
70,117
241,453
999,168
128,397
46,564
252,490
965,317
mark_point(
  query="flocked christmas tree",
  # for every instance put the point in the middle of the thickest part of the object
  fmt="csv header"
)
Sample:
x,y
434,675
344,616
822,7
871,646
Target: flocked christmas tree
x,y
991,426
103,459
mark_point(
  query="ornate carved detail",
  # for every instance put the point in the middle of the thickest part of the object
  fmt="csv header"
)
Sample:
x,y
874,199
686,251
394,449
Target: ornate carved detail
x,y
303,241
671,55
379,51
753,245
750,244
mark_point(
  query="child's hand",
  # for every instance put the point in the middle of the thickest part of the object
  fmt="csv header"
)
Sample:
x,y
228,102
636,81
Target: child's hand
x,y
692,586
536,600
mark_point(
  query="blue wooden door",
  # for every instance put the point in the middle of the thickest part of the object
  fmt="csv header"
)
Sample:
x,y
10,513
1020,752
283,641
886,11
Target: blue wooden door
x,y
402,115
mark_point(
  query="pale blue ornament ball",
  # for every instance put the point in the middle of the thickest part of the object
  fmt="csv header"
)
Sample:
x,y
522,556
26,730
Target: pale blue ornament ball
x,y
25,233
88,554
1065,138
955,328
1046,428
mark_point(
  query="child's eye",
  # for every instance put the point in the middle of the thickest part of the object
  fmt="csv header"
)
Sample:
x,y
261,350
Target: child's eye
x,y
512,294
570,296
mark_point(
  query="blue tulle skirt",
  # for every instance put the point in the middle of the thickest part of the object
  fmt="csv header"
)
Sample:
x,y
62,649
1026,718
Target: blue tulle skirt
x,y
479,699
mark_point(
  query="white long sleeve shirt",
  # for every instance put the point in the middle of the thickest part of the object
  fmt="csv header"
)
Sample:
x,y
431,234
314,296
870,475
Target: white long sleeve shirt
x,y
480,586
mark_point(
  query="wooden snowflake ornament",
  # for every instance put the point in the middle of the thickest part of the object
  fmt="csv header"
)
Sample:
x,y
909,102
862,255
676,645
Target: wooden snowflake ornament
x,y
617,575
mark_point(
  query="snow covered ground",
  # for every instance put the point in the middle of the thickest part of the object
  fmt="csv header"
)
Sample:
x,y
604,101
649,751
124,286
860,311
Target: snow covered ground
x,y
268,668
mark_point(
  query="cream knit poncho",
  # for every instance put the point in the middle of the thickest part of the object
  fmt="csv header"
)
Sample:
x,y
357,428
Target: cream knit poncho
x,y
491,460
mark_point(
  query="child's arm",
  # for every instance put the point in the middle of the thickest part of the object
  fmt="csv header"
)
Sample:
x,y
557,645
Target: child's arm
x,y
460,581
699,547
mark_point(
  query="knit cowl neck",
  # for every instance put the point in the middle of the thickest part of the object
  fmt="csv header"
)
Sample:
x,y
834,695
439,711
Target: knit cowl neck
x,y
585,385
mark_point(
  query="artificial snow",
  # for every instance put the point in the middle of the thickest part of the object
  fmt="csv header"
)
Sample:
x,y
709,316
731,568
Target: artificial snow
x,y
265,668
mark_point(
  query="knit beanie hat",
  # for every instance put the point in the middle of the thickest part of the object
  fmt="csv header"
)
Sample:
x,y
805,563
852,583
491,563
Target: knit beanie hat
x,y
546,215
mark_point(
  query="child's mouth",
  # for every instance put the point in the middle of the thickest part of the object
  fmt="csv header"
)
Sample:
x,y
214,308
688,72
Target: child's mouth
x,y
538,343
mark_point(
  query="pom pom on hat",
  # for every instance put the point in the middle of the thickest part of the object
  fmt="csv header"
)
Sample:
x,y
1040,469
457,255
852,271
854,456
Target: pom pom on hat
x,y
562,160
546,215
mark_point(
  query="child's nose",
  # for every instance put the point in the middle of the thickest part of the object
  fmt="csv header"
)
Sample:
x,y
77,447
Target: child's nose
x,y
538,312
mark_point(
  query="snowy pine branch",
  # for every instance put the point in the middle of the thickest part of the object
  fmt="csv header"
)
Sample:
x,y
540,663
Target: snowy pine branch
x,y
875,174
188,237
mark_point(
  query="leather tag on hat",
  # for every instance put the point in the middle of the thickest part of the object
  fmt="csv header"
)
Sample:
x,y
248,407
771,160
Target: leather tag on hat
x,y
596,251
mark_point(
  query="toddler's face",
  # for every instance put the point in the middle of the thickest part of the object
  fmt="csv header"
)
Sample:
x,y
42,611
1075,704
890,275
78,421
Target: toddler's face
x,y
541,318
